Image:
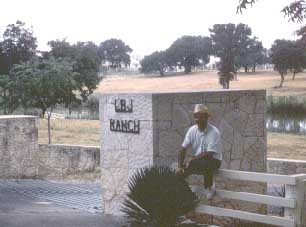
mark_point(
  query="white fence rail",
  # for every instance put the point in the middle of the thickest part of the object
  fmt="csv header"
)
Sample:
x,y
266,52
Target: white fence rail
x,y
55,116
293,202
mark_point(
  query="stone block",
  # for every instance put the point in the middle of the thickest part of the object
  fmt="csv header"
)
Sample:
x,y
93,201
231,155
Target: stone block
x,y
217,111
188,98
139,159
163,108
226,131
142,141
213,97
255,125
169,143
164,160
247,103
142,107
238,146
237,119
261,107
182,116
115,159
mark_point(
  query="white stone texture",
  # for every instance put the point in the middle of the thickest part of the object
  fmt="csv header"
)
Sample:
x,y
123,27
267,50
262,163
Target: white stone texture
x,y
139,159
108,184
18,147
115,159
286,166
142,107
58,161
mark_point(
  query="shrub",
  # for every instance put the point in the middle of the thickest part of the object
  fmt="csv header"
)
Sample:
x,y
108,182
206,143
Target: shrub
x,y
157,198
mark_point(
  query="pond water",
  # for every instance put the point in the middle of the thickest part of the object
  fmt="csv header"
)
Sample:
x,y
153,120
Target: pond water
x,y
286,124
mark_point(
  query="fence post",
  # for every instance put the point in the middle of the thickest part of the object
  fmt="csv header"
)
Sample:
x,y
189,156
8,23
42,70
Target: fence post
x,y
297,192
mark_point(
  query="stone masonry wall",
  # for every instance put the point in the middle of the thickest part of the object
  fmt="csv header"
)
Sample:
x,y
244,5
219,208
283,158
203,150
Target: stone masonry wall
x,y
57,161
22,157
164,119
240,117
286,166
18,146
238,114
122,153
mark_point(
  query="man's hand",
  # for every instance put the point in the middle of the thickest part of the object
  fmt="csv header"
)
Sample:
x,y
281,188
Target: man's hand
x,y
187,164
208,155
180,172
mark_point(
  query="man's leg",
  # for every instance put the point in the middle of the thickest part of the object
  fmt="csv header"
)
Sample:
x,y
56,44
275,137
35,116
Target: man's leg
x,y
212,166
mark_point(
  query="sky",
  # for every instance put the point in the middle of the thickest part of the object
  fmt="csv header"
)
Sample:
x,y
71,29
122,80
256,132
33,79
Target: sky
x,y
145,25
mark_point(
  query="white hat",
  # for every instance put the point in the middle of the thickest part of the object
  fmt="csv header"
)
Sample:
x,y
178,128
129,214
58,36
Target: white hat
x,y
200,108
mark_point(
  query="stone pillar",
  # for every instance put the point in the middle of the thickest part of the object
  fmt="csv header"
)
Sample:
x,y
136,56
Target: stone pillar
x,y
126,143
18,146
142,129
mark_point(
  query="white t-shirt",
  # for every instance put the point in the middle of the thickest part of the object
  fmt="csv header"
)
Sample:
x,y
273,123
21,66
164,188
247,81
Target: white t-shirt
x,y
208,140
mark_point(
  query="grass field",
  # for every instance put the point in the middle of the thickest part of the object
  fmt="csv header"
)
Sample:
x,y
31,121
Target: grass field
x,y
208,80
68,131
86,132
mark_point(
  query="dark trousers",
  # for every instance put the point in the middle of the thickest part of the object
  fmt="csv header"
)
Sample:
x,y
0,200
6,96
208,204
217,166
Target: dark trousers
x,y
203,167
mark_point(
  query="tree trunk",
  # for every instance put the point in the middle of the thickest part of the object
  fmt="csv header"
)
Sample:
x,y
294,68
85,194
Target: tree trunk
x,y
293,75
49,129
254,68
161,72
187,69
282,80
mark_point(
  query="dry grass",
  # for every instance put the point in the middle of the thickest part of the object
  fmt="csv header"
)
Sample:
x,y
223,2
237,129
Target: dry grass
x,y
68,131
86,132
207,80
284,145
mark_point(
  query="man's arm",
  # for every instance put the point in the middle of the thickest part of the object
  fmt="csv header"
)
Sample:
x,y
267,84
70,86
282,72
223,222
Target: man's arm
x,y
181,157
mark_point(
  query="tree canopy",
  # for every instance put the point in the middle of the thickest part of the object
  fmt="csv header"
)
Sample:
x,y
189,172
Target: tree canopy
x,y
115,52
251,55
155,62
287,55
229,42
18,45
189,51
42,84
85,60
296,10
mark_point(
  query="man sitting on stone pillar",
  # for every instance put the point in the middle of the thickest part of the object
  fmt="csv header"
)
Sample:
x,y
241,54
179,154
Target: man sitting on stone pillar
x,y
206,154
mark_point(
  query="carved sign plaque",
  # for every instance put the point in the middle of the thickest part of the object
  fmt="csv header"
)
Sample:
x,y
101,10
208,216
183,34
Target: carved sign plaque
x,y
126,126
